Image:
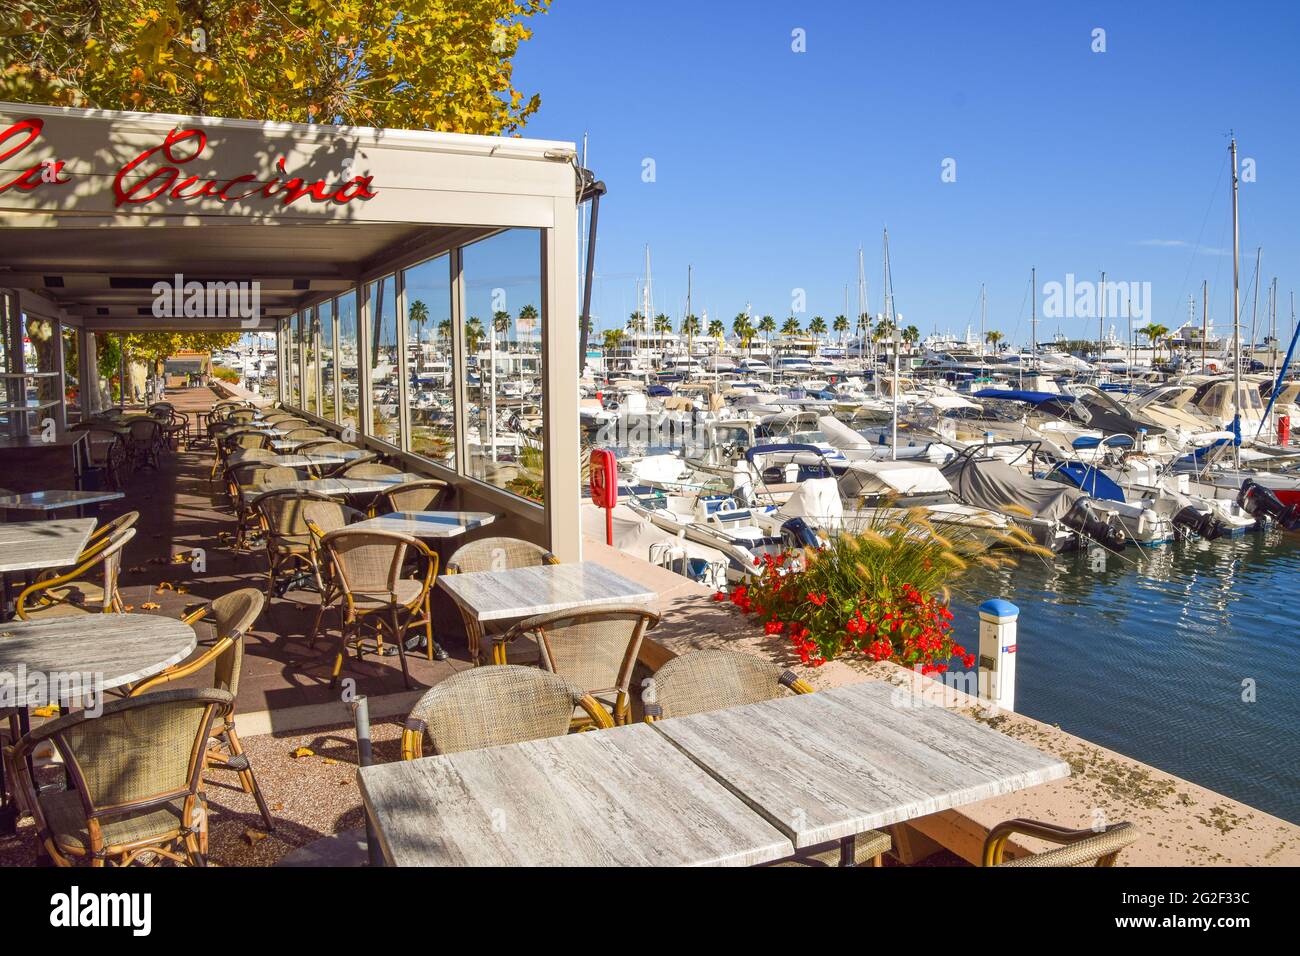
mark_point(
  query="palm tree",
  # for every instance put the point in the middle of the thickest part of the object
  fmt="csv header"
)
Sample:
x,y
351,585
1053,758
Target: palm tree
x,y
528,314
444,330
636,322
911,335
663,325
993,337
1154,333
767,325
419,314
817,327
717,330
612,339
501,322
690,328
790,327
841,325
742,329
474,333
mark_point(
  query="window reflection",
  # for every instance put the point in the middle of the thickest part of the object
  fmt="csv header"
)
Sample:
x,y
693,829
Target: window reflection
x,y
503,339
295,372
350,382
384,391
325,317
311,367
429,360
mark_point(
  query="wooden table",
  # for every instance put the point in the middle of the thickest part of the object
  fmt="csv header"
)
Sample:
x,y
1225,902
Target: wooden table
x,y
37,545
823,767
57,500
74,656
427,524
621,797
486,597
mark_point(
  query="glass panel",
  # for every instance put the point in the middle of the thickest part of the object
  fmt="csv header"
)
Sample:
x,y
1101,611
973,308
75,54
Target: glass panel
x,y
428,337
311,371
295,372
71,375
382,297
347,358
503,291
41,358
325,313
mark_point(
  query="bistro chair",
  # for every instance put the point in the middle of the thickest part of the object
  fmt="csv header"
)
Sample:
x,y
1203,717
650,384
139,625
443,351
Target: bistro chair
x,y
144,442
596,648
234,615
1075,847
373,595
243,482
109,528
493,554
136,780
75,592
701,681
368,469
304,434
323,515
242,416
107,453
287,538
423,495
491,706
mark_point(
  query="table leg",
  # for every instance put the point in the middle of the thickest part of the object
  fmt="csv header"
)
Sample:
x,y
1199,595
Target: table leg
x,y
848,851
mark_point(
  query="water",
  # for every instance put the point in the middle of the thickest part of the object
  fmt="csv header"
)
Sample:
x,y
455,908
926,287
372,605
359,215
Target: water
x,y
1148,656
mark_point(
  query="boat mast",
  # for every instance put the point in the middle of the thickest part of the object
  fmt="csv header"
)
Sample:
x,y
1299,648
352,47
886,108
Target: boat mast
x,y
1236,311
1254,309
983,312
1205,318
1033,315
1101,320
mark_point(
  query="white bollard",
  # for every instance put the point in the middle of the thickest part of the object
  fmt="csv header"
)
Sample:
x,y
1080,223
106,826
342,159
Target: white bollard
x,y
998,652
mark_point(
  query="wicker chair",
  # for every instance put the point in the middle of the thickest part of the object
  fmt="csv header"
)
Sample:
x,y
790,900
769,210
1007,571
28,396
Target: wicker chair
x,y
703,681
244,482
70,593
321,517
422,495
234,615
491,706
107,452
368,469
136,774
493,554
596,648
287,538
144,442
367,569
1077,847
301,433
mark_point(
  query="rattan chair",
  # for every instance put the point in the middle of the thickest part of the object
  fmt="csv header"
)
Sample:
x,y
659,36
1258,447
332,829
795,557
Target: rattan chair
x,y
287,538
136,780
245,483
368,469
701,681
424,495
144,442
234,615
300,433
76,591
491,706
596,648
322,517
126,519
493,554
367,569
1077,847
106,452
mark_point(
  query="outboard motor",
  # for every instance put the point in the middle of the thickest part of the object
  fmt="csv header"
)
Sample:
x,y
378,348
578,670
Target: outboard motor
x,y
1202,523
1261,503
797,534
1083,519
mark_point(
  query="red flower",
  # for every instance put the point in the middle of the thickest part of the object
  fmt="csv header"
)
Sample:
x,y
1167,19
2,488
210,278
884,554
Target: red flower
x,y
773,627
817,599
968,661
719,595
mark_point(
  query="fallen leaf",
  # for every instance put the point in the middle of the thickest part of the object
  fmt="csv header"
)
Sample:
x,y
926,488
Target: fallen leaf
x,y
303,752
165,586
182,589
251,836
129,608
49,710
328,760
149,606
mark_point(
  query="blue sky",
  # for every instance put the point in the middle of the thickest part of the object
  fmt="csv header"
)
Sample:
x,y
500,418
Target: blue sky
x,y
772,166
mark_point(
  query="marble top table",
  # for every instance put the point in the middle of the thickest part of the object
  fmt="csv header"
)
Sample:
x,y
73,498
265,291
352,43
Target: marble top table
x,y
293,461
621,797
341,487
57,500
36,545
427,524
112,649
524,592
822,767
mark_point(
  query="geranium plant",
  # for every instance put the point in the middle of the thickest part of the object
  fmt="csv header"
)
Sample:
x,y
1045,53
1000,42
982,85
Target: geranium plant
x,y
881,592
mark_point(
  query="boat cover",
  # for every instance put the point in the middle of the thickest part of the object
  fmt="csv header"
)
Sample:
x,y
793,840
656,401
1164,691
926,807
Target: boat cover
x,y
818,501
901,477
989,483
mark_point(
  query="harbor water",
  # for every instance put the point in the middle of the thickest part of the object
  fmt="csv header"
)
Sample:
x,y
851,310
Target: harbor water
x,y
1186,657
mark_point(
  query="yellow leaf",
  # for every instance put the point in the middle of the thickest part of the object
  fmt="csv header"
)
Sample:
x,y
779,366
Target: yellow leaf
x,y
303,752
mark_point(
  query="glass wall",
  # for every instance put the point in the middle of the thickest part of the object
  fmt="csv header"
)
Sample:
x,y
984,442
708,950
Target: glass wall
x,y
381,298
71,375
311,367
295,371
503,340
349,380
325,321
432,392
